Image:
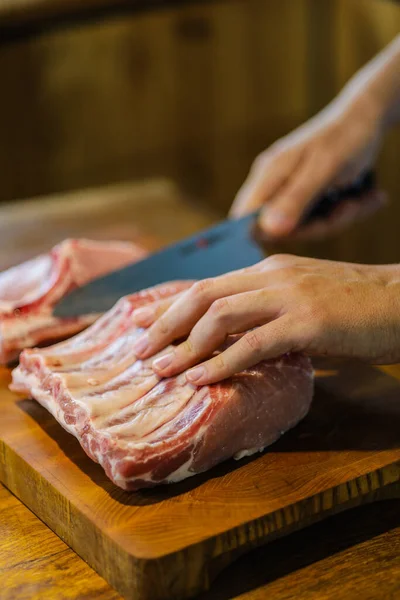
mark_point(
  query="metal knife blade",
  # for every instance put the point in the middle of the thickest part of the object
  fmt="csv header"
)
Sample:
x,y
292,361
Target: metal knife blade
x,y
227,246
224,247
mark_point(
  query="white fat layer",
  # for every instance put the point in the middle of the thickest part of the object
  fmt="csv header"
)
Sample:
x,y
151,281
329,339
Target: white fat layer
x,y
124,385
161,405
21,327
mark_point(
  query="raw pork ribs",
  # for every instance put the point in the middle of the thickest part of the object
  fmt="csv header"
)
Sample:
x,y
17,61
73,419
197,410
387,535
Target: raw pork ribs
x,y
29,291
145,431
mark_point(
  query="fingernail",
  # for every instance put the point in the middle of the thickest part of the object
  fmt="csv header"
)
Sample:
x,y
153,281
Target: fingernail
x,y
163,362
143,315
195,374
142,344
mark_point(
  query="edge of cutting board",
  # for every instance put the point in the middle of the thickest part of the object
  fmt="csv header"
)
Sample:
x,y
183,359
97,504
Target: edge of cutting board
x,y
137,578
191,569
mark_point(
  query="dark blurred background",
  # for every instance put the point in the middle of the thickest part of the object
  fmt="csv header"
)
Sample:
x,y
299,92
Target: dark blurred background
x,y
190,92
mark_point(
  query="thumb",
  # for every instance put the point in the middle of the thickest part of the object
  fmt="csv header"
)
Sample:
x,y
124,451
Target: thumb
x,y
285,210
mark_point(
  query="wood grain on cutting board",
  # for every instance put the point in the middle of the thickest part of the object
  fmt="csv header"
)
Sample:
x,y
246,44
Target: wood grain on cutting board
x,y
170,542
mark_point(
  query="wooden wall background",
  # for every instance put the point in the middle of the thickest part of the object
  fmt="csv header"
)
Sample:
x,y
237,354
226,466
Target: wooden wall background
x,y
191,93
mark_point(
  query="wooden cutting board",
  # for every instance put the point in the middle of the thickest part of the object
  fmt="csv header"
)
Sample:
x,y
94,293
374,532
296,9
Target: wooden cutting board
x,y
172,541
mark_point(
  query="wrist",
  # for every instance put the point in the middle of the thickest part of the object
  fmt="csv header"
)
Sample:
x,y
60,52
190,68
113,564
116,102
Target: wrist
x,y
375,89
357,124
362,109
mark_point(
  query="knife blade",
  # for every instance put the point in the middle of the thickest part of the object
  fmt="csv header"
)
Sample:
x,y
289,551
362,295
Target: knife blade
x,y
227,246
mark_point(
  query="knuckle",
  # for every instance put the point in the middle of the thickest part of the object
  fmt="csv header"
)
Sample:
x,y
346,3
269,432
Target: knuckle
x,y
280,259
160,310
253,342
266,158
220,309
219,362
202,289
162,325
286,264
259,162
278,147
188,346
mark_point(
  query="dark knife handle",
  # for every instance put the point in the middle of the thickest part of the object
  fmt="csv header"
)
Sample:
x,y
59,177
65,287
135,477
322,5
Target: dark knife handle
x,y
329,201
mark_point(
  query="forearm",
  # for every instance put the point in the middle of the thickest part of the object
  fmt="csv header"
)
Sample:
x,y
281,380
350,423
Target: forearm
x,y
375,89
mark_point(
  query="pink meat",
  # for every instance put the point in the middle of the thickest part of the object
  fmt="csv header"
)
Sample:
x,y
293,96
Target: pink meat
x,y
144,430
29,291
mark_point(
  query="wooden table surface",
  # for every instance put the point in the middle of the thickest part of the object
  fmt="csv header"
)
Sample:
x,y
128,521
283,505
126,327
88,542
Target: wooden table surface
x,y
353,555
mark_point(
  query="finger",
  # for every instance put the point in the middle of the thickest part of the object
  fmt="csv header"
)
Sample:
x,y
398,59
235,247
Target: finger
x,y
146,315
234,314
267,342
283,214
181,317
268,174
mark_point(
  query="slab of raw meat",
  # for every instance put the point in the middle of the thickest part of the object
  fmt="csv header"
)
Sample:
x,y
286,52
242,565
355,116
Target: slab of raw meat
x,y
29,291
145,431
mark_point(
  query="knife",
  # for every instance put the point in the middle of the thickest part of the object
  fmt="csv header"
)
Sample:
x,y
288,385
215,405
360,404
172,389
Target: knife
x,y
227,246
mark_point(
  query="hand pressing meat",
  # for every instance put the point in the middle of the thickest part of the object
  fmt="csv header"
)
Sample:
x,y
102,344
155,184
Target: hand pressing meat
x,y
283,304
